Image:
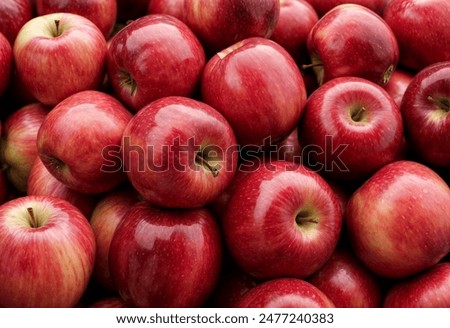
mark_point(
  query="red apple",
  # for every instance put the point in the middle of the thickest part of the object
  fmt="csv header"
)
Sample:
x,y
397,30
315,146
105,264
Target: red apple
x,y
426,113
288,149
258,87
153,57
107,215
347,283
419,26
101,12
297,18
165,258
398,84
18,144
282,220
48,251
399,220
5,63
221,23
75,137
110,302
57,55
430,289
351,40
13,15
42,183
285,293
351,128
173,8
179,152
324,6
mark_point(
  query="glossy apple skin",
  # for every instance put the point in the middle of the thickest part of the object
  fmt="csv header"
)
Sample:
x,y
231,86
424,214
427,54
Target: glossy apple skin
x,y
351,40
5,63
160,145
398,84
285,293
42,183
18,143
155,248
77,56
265,225
107,215
324,6
110,302
427,120
399,220
221,23
231,78
72,147
340,142
420,25
347,283
173,8
297,18
430,289
13,15
160,55
102,13
46,266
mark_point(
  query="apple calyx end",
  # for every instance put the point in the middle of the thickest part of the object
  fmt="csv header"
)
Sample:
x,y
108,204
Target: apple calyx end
x,y
200,160
442,103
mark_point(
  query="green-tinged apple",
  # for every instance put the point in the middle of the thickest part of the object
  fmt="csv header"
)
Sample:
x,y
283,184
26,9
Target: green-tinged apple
x,y
74,139
398,221
57,55
165,258
18,143
282,220
48,251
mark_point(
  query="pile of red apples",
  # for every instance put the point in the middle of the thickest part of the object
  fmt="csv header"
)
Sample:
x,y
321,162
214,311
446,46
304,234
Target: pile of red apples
x,y
225,153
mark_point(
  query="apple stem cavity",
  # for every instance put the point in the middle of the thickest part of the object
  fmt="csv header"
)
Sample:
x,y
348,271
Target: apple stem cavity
x,y
305,217
34,222
200,160
442,103
128,81
358,114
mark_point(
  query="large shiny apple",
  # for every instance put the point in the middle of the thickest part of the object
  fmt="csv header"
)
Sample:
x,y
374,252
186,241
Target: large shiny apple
x,y
179,152
57,55
6,63
259,89
426,113
221,23
18,143
153,57
165,258
74,141
351,40
282,220
285,293
419,26
430,289
102,13
48,251
351,127
105,218
399,220
13,15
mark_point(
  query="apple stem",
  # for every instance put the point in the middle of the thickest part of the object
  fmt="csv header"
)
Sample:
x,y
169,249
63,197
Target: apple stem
x,y
199,159
357,116
34,223
57,21
443,103
308,66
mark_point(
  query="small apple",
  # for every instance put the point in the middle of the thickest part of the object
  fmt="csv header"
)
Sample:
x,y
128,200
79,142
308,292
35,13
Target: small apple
x,y
153,57
18,143
73,140
165,258
282,220
221,23
351,40
285,293
48,251
57,55
13,15
179,152
398,221
101,12
6,63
